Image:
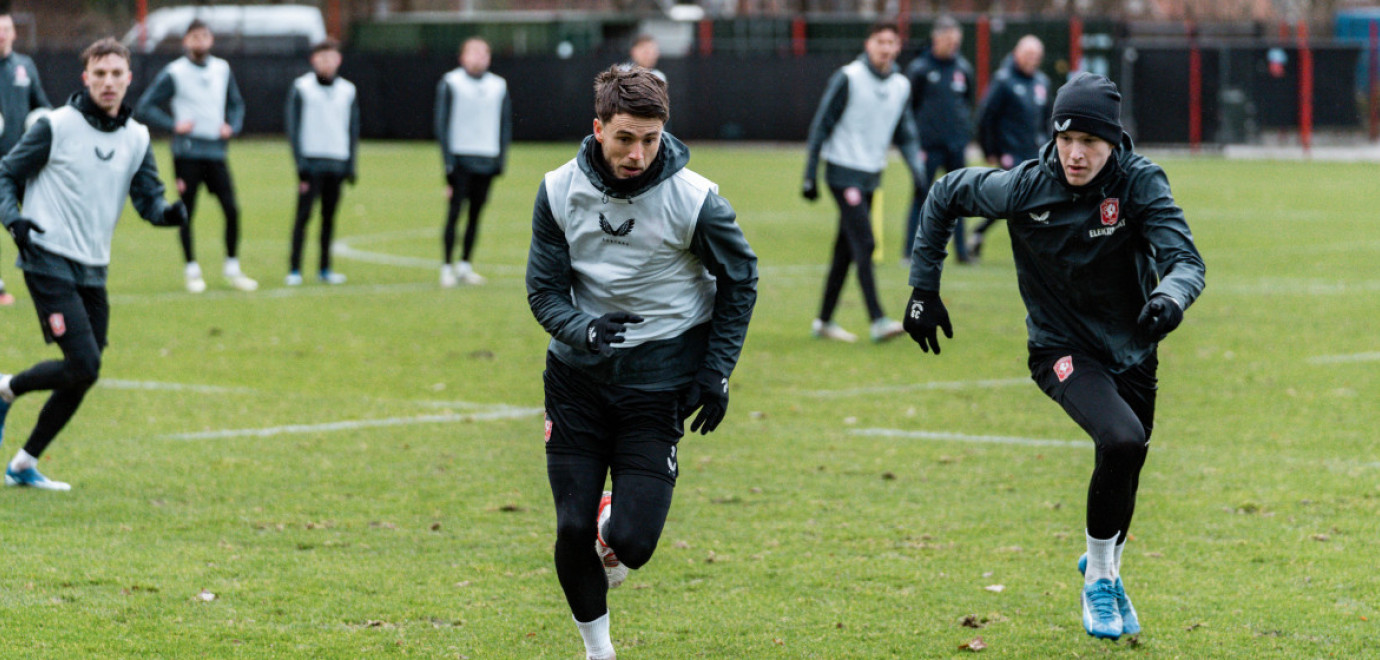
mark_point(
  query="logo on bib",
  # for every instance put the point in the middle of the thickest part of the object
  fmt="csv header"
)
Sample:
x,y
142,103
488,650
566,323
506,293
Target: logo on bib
x,y
57,325
622,230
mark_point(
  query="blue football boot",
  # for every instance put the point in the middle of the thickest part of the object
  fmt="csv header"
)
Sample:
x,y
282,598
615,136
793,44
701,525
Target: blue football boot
x,y
1130,623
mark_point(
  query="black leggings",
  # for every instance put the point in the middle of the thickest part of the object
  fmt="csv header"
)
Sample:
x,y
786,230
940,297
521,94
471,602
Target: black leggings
x,y
192,172
76,318
640,505
853,245
474,188
1118,411
327,187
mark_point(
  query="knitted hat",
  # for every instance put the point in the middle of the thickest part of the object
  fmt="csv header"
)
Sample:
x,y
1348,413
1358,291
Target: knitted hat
x,y
1089,103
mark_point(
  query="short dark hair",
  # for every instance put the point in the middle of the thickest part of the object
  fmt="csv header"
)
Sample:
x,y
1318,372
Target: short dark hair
x,y
642,39
944,23
103,47
196,24
632,91
883,26
325,45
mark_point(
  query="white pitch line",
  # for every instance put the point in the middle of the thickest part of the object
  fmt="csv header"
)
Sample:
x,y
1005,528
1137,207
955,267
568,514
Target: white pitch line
x,y
960,437
911,387
117,384
1345,359
351,425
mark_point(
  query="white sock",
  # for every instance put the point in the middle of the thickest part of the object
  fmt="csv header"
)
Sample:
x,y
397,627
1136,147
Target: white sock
x,y
193,269
1101,560
1117,556
596,636
463,268
23,461
232,267
5,392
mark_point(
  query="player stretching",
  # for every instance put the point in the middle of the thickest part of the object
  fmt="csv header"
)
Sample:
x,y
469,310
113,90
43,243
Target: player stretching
x,y
206,111
644,280
474,123
1106,266
79,162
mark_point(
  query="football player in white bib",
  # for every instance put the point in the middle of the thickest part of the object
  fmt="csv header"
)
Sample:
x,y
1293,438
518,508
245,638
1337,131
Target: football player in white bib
x,y
75,167
639,272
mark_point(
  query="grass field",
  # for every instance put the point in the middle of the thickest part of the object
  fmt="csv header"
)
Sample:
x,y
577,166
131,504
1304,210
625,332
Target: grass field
x,y
358,470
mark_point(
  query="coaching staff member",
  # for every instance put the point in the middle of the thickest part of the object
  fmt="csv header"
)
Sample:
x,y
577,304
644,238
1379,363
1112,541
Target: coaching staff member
x,y
1106,266
641,275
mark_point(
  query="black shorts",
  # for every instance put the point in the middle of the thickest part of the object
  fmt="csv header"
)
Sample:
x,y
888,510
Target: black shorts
x,y
632,431
1087,389
67,310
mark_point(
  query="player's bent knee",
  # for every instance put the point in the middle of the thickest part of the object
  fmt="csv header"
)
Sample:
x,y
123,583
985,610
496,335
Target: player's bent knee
x,y
634,551
82,371
1126,441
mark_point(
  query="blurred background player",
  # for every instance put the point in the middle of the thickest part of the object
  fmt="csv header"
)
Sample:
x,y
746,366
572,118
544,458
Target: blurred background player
x,y
941,97
20,94
79,162
641,275
865,109
646,53
206,111
1014,118
1106,266
474,123
323,128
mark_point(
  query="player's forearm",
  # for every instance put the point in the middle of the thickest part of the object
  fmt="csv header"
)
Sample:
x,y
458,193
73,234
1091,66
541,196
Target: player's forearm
x,y
146,190
719,244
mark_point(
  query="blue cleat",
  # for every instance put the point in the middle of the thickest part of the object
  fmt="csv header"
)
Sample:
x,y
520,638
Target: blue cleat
x,y
32,478
1100,616
1130,623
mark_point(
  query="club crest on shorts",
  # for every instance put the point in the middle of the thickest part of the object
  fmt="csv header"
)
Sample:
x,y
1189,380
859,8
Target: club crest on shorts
x,y
1064,368
548,426
1111,211
57,324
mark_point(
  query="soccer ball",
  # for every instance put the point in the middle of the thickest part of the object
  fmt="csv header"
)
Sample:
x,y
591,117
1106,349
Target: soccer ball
x,y
34,116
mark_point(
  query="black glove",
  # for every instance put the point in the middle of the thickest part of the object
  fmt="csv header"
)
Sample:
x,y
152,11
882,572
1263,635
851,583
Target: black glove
x,y
607,330
709,394
809,189
19,229
1159,317
174,215
924,313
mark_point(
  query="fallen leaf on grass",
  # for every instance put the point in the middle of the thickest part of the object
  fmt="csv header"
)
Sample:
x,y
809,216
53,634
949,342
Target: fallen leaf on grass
x,y
511,508
382,524
1195,626
975,645
995,588
1320,537
972,621
206,596
435,527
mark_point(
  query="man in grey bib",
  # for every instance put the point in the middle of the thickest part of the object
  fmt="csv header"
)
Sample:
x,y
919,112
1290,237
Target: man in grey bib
x,y
206,111
639,272
79,163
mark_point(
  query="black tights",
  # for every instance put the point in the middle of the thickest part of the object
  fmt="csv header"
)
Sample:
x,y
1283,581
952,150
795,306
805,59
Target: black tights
x,y
191,173
853,245
473,188
326,186
69,379
1118,411
640,505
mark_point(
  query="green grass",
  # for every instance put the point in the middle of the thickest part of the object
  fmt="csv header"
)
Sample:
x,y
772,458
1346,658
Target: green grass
x,y
792,535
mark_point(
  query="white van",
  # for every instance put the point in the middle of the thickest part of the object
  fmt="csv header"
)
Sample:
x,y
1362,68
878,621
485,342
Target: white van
x,y
238,29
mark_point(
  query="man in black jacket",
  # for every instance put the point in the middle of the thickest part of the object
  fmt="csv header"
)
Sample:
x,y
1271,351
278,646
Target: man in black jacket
x,y
1106,266
21,94
1014,118
941,97
642,277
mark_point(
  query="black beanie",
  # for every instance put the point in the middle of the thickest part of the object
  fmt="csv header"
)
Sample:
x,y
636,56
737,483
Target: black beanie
x,y
1089,103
